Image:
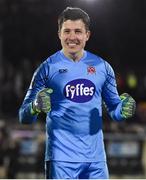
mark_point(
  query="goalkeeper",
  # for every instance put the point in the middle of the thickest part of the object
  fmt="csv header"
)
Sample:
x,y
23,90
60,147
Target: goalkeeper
x,y
69,87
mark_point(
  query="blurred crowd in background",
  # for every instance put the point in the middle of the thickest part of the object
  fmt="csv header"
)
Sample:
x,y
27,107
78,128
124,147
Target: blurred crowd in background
x,y
26,39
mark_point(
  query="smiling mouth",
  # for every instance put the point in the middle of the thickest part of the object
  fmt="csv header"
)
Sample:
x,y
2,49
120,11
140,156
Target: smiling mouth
x,y
72,44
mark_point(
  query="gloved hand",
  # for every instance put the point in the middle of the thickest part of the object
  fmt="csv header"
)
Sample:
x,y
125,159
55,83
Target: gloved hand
x,y
128,105
42,101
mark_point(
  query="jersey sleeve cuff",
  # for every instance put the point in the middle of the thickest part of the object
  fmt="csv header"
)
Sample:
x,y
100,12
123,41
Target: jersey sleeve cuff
x,y
117,115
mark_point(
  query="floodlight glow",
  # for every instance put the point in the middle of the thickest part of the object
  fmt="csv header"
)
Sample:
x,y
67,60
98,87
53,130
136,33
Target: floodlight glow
x,y
88,0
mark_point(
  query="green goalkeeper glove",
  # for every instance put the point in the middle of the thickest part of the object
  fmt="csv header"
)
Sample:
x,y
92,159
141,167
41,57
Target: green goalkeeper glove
x,y
128,105
42,101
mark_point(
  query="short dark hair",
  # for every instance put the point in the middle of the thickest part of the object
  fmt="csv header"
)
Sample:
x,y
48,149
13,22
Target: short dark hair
x,y
73,13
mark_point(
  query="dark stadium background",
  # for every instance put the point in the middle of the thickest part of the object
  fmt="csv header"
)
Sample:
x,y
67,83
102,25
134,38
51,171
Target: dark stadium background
x,y
28,35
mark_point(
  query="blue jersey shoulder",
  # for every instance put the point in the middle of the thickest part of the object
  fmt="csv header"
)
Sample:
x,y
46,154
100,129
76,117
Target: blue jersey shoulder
x,y
44,67
54,58
90,59
96,60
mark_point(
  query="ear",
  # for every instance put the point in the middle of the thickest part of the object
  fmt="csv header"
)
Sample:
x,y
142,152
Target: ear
x,y
59,34
88,33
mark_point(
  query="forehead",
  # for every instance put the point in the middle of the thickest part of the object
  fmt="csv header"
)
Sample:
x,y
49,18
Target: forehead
x,y
73,24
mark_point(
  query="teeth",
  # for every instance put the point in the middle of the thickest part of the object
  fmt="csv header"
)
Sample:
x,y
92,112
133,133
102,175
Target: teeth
x,y
71,44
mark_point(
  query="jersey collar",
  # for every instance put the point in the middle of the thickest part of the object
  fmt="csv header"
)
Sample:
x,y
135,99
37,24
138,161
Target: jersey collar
x,y
67,59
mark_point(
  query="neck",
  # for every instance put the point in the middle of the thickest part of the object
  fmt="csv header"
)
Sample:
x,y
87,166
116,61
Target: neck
x,y
74,56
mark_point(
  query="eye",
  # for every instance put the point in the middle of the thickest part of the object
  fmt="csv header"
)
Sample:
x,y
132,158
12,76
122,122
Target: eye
x,y
66,31
78,31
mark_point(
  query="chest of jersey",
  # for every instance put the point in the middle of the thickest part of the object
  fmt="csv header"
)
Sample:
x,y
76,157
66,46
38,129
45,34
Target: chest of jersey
x,y
77,82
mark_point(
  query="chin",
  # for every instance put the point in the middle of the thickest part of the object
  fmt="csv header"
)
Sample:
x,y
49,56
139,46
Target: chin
x,y
73,51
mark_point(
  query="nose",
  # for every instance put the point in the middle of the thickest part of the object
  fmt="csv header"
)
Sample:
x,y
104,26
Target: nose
x,y
72,35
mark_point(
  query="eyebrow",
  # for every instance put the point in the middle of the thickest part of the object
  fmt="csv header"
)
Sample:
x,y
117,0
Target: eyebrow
x,y
71,29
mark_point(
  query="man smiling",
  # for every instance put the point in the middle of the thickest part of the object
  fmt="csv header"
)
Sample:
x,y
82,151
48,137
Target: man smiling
x,y
73,36
69,87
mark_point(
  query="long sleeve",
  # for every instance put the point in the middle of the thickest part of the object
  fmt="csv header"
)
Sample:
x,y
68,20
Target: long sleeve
x,y
38,82
110,94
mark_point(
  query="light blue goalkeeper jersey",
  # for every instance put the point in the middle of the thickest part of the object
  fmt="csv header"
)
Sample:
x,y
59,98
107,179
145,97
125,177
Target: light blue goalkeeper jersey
x,y
74,125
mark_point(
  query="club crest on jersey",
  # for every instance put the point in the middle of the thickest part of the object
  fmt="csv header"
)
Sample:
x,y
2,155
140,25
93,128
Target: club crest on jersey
x,y
91,70
79,90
